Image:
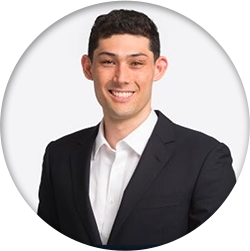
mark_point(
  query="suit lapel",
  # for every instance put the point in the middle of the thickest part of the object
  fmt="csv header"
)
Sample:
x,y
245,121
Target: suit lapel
x,y
80,168
155,157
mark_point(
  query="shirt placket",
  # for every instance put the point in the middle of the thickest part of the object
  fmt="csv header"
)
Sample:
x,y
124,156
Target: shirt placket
x,y
114,191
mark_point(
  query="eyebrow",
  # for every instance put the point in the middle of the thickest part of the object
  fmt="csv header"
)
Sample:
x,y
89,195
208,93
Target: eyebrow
x,y
115,55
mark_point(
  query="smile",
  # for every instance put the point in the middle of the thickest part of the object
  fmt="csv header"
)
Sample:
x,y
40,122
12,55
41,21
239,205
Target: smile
x,y
121,94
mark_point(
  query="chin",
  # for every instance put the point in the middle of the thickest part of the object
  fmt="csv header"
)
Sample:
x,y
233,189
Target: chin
x,y
121,115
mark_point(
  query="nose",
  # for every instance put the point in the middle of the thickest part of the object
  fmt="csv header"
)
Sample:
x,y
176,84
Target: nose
x,y
122,74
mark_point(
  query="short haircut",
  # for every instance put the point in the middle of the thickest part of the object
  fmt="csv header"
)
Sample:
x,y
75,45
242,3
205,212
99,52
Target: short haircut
x,y
124,22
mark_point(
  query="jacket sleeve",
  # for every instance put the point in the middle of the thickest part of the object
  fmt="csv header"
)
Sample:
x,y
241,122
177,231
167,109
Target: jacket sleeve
x,y
47,206
215,182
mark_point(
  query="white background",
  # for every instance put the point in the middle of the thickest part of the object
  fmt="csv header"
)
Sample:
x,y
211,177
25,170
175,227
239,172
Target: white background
x,y
44,94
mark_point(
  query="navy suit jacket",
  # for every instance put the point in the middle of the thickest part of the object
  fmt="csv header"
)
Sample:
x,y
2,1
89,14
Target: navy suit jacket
x,y
182,178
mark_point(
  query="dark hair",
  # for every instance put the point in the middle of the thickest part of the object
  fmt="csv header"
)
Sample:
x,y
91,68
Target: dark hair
x,y
124,22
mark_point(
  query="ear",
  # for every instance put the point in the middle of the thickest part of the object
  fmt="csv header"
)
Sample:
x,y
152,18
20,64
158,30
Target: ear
x,y
161,65
86,66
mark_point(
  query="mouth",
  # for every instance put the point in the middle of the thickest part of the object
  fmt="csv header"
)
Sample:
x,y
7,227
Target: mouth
x,y
121,94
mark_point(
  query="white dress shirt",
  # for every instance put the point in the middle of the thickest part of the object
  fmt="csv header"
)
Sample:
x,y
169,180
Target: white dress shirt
x,y
111,170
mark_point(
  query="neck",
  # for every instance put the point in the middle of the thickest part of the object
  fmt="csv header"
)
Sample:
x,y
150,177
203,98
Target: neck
x,y
117,129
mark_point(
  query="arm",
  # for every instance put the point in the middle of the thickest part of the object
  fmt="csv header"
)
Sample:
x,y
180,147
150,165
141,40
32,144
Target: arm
x,y
215,182
47,207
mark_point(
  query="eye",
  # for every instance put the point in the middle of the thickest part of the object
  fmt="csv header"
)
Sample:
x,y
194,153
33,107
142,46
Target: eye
x,y
136,63
107,62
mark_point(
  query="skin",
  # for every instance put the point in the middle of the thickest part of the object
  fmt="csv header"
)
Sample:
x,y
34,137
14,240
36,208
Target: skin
x,y
123,70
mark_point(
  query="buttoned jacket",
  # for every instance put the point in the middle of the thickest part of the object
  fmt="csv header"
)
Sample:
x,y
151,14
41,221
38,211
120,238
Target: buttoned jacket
x,y
182,178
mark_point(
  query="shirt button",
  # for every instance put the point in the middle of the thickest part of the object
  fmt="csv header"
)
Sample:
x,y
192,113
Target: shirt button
x,y
111,202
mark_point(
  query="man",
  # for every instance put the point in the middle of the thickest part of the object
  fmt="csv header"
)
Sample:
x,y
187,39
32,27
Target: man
x,y
136,179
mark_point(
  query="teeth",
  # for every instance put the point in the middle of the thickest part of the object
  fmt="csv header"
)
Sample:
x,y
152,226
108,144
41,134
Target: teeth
x,y
122,94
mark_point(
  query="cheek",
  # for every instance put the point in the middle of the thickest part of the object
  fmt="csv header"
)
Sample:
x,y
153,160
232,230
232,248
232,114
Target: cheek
x,y
100,96
102,78
99,79
100,83
99,90
145,74
144,80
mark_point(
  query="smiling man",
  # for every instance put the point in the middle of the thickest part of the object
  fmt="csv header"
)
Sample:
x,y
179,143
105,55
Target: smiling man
x,y
135,180
123,69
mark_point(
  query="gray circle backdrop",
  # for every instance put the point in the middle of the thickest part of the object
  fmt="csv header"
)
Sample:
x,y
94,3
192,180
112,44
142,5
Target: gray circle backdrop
x,y
27,20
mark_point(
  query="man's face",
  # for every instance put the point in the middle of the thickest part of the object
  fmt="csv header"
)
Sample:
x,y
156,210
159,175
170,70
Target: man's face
x,y
123,71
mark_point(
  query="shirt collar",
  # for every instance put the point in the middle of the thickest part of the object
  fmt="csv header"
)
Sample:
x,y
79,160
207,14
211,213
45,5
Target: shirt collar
x,y
100,140
136,140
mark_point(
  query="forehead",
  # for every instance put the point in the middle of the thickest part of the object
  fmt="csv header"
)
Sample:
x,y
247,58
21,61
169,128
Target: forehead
x,y
124,44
